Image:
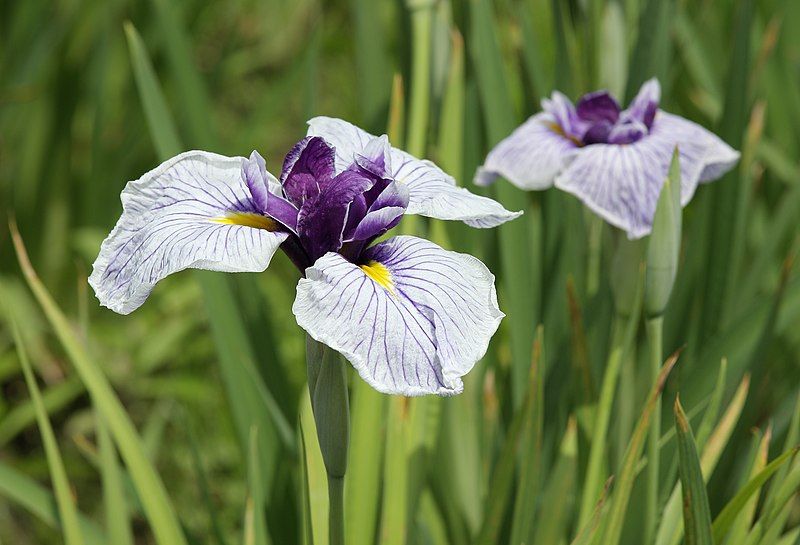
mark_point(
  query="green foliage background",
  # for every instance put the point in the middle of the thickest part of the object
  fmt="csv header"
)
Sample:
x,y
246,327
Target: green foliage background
x,y
211,370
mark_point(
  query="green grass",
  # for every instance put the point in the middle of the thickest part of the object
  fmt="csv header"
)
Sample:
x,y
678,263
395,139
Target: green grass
x,y
189,422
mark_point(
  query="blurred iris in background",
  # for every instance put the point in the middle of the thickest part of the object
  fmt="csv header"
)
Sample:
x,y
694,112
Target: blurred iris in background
x,y
410,316
613,160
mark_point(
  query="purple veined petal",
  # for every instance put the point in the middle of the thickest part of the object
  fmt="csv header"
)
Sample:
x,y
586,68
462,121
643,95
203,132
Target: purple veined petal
x,y
598,106
644,106
192,211
307,168
432,192
621,183
530,157
412,320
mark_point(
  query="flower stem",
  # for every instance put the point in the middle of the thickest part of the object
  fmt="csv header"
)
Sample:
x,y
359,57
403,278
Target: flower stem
x,y
335,510
327,385
593,482
655,333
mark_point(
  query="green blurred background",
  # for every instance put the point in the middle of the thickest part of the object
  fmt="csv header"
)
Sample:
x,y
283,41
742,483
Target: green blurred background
x,y
210,358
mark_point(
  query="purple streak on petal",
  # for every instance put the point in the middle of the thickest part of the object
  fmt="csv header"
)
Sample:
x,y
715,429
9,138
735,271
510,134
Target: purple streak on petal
x,y
597,107
530,157
306,169
627,133
644,106
254,173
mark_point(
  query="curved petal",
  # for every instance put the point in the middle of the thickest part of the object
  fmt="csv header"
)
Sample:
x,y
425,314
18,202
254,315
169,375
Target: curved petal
x,y
432,192
621,183
192,211
530,157
412,321
644,105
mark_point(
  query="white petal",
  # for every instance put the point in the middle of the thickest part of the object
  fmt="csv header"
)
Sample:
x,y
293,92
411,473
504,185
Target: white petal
x,y
530,157
432,192
413,326
182,214
621,183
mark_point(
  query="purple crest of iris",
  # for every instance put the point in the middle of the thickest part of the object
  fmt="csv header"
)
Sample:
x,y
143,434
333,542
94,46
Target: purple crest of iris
x,y
411,317
613,160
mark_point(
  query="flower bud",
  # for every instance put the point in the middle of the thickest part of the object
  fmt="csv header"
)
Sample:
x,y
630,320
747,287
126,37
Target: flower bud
x,y
665,243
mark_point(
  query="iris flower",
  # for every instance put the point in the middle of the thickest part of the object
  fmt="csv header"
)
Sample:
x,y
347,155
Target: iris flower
x,y
613,160
410,316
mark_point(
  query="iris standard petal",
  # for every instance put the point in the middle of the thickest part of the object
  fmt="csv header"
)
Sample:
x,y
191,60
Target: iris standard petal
x,y
432,192
530,157
192,211
645,104
621,183
412,320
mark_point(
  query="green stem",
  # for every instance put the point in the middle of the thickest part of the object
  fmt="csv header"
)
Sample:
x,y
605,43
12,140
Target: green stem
x,y
421,32
655,333
335,510
327,385
593,262
591,492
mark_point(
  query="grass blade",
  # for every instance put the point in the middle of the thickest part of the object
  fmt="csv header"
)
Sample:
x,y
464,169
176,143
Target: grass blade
x,y
114,503
255,528
696,512
727,517
627,474
150,487
363,485
503,475
67,511
34,498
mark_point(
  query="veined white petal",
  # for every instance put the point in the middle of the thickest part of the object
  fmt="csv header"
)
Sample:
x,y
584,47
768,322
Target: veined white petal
x,y
192,211
531,157
621,183
412,321
432,192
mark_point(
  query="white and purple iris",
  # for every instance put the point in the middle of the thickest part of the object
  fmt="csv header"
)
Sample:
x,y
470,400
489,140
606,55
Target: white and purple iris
x,y
411,317
613,160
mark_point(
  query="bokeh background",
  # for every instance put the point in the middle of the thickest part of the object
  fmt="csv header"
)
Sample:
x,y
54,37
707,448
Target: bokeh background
x,y
95,92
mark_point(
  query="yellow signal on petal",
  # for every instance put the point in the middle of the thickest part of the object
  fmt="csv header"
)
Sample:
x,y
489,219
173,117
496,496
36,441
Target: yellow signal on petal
x,y
248,219
379,274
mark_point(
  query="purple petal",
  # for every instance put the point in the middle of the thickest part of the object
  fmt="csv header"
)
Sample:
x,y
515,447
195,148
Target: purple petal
x,y
565,116
627,133
530,157
307,167
598,106
413,320
192,211
432,192
322,218
598,133
254,173
644,106
378,222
